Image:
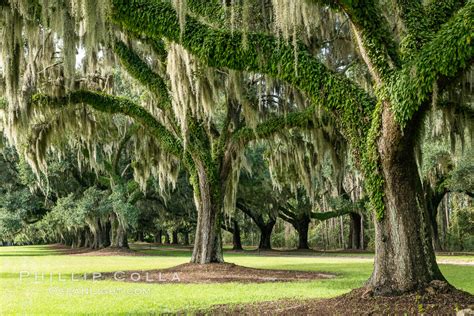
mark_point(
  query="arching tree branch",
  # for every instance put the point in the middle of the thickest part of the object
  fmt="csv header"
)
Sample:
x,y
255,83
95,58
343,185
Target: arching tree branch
x,y
139,70
220,48
116,105
449,52
304,119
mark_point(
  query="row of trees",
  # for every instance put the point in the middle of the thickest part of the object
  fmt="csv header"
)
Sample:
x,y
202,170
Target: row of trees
x,y
344,84
81,209
81,213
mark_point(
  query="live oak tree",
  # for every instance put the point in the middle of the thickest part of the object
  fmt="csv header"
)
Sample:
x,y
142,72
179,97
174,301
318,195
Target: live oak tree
x,y
193,117
257,198
264,197
412,53
411,56
444,172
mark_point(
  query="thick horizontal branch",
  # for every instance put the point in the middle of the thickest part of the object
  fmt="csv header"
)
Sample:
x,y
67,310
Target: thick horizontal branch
x,y
117,105
322,216
263,53
257,218
212,10
287,215
268,128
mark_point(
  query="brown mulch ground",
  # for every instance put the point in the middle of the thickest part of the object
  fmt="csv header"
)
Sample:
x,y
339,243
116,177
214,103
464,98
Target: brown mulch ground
x,y
359,302
216,273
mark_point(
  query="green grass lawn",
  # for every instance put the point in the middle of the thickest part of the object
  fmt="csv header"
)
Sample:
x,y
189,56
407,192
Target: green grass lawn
x,y
28,296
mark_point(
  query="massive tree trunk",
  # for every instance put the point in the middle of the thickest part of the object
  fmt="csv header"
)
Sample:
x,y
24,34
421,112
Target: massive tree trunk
x,y
208,240
355,231
404,260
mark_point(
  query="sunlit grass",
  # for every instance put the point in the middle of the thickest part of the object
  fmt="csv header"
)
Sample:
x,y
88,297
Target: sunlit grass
x,y
28,296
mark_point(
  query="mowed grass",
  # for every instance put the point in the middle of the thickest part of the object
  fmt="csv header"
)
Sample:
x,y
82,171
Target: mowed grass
x,y
68,296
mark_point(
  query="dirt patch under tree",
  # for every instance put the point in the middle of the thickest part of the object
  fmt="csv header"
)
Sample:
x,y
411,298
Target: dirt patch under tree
x,y
438,299
215,273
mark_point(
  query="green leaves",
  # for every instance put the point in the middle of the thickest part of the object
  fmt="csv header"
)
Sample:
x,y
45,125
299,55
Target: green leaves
x,y
137,68
448,53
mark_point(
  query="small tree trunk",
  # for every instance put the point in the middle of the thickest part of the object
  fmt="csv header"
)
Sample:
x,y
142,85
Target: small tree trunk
x,y
434,199
236,241
119,235
266,235
186,238
167,238
175,237
140,236
355,231
76,240
158,236
444,222
404,256
83,238
107,233
88,238
95,241
302,229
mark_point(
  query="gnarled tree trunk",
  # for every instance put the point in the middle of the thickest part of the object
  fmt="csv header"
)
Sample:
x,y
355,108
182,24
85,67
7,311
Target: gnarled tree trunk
x,y
207,242
404,260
